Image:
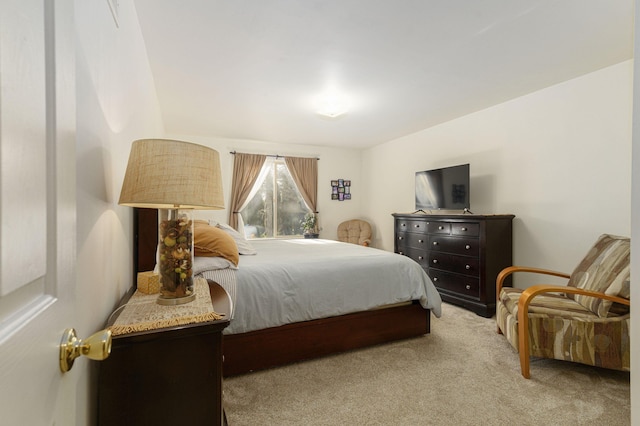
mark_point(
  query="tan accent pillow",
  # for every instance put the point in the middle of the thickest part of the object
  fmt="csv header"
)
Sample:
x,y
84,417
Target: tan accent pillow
x,y
209,241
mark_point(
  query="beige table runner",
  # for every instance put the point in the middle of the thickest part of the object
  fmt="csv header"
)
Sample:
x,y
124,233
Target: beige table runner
x,y
142,313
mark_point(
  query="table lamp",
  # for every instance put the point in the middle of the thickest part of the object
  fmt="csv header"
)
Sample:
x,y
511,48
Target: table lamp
x,y
175,177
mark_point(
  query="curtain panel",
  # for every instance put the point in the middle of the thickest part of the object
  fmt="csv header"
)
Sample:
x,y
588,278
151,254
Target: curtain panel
x,y
246,168
304,172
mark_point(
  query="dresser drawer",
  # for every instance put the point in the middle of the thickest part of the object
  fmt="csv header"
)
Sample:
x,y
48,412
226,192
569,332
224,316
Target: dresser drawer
x,y
453,263
418,255
402,243
418,241
460,284
455,245
411,226
439,228
468,229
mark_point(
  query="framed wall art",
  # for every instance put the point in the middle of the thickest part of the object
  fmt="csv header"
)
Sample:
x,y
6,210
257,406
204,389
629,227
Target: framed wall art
x,y
340,189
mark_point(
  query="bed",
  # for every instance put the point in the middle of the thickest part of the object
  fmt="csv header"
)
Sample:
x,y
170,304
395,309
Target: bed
x,y
283,314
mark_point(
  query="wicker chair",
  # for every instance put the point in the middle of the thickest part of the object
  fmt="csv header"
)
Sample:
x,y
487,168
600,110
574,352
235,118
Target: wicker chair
x,y
586,321
355,231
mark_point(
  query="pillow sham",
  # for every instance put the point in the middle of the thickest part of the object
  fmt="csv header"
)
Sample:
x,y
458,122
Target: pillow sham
x,y
244,247
203,264
209,241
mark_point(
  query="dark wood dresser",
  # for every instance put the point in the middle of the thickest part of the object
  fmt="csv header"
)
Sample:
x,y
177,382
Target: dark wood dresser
x,y
136,388
462,254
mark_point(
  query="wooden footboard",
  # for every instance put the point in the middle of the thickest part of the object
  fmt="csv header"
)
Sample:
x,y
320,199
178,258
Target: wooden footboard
x,y
290,343
299,341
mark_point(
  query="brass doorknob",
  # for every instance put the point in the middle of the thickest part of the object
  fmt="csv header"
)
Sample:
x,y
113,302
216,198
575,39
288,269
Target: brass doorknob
x,y
97,347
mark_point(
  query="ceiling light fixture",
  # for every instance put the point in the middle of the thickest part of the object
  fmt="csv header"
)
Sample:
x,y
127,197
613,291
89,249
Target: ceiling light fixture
x,y
332,106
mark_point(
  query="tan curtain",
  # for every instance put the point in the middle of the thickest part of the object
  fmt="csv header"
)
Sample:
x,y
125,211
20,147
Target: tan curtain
x,y
305,174
246,168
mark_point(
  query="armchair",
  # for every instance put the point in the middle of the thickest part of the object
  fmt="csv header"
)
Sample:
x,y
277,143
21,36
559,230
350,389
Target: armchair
x,y
355,231
586,321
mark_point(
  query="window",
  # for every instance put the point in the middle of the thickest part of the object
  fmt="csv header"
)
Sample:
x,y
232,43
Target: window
x,y
275,206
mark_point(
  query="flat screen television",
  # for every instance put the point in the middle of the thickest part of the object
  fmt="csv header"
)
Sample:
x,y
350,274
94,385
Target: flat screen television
x,y
443,189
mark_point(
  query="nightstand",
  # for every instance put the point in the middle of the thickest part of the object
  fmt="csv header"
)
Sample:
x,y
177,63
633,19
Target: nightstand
x,y
136,388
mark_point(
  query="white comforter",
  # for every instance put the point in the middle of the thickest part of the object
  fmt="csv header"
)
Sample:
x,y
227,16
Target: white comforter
x,y
297,280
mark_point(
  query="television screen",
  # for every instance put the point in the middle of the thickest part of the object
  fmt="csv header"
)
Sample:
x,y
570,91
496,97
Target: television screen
x,y
446,188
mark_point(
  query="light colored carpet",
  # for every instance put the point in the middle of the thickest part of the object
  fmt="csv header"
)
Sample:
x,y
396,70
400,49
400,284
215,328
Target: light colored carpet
x,y
463,373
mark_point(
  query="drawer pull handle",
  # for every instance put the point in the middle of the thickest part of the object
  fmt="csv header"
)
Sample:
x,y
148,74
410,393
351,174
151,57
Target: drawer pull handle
x,y
417,226
467,267
441,227
435,260
400,238
463,228
435,243
468,287
420,258
421,241
467,247
435,279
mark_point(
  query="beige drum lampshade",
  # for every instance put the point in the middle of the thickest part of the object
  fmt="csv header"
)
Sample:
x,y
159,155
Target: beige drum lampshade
x,y
168,174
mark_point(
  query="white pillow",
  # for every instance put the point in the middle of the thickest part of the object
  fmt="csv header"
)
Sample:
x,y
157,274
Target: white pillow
x,y
244,247
202,264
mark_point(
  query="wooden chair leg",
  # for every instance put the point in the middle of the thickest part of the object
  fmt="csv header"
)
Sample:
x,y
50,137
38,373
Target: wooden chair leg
x,y
523,345
524,365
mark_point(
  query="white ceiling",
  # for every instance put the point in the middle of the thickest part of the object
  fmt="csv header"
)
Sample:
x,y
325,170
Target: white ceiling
x,y
254,69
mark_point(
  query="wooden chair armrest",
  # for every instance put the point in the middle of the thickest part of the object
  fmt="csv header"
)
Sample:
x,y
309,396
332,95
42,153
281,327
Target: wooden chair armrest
x,y
512,269
523,320
531,292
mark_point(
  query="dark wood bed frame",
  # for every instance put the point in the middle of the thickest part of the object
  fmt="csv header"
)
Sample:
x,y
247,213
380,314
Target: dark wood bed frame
x,y
290,343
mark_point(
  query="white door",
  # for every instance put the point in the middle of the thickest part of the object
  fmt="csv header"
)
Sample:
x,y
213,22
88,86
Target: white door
x,y
37,210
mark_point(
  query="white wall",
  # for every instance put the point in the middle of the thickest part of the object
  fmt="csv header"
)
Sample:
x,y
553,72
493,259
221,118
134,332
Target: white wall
x,y
334,163
116,104
559,159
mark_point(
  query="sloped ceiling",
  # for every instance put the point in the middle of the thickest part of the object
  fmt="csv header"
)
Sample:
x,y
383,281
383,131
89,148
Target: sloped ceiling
x,y
256,69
